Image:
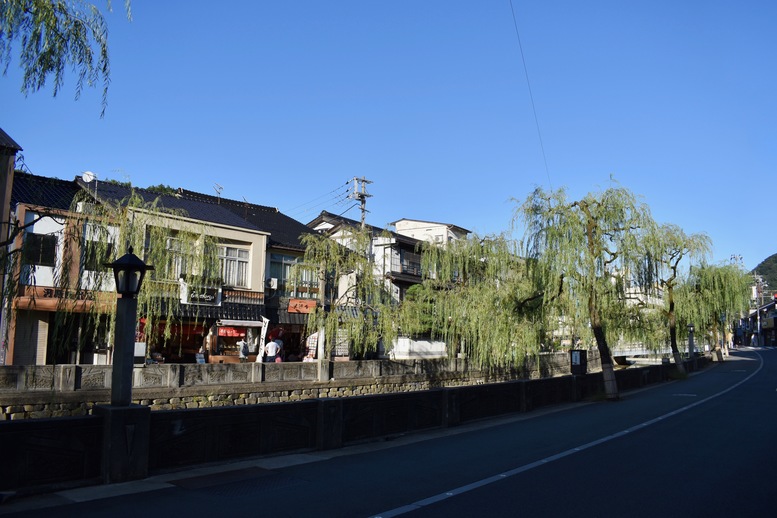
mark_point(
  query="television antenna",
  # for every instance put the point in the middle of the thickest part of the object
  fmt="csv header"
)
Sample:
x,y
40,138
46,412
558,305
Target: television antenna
x,y
218,189
89,177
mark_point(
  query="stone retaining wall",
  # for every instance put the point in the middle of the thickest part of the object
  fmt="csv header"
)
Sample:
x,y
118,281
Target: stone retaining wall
x,y
29,392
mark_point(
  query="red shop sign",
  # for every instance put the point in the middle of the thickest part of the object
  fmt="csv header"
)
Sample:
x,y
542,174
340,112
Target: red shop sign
x,y
232,331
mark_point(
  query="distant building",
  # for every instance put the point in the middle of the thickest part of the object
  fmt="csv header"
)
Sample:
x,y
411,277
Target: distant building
x,y
430,231
396,258
255,247
286,303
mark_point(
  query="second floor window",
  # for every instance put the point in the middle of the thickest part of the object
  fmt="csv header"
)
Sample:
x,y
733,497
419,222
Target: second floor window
x,y
95,256
234,266
40,249
176,259
280,269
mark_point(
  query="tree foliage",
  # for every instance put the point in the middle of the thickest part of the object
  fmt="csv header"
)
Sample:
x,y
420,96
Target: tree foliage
x,y
590,249
668,244
476,297
768,270
357,310
54,36
713,296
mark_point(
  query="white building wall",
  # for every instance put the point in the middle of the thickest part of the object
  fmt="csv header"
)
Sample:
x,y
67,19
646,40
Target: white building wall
x,y
44,275
405,348
428,231
103,280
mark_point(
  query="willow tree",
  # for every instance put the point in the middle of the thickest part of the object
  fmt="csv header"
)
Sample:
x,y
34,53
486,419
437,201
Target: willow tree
x,y
55,36
669,245
99,233
476,297
712,296
588,248
357,310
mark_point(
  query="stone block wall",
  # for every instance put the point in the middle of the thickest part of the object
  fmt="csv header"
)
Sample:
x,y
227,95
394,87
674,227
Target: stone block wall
x,y
29,392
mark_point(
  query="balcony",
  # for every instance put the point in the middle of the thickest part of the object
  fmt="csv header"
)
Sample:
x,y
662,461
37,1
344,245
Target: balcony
x,y
408,264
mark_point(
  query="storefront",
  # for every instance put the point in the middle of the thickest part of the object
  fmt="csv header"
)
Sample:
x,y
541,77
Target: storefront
x,y
225,339
211,322
292,317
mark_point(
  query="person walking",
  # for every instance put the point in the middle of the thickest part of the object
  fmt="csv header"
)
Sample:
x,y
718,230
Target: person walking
x,y
271,350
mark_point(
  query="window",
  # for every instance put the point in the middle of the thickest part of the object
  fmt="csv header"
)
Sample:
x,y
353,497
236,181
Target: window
x,y
40,249
234,266
95,257
280,268
176,260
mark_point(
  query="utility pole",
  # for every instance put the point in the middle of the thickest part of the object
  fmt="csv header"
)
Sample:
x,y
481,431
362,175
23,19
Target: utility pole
x,y
361,195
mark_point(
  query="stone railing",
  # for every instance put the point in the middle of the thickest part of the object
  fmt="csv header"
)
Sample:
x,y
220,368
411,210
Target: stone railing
x,y
69,378
72,390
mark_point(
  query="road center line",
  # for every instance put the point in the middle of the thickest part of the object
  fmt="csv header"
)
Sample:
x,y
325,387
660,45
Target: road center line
x,y
526,467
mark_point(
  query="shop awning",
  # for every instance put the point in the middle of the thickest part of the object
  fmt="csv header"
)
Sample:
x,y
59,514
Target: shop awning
x,y
242,323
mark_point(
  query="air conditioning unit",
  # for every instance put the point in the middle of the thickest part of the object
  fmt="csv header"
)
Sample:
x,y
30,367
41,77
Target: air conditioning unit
x,y
272,283
83,207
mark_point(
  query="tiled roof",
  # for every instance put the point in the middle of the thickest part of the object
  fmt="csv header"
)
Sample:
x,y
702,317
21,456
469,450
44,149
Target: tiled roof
x,y
333,219
191,208
40,190
6,142
338,221
284,231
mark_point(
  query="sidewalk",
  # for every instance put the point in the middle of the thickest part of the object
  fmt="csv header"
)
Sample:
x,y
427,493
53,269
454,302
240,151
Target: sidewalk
x,y
234,471
221,473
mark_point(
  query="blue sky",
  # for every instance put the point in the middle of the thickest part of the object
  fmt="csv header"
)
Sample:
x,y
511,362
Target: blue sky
x,y
281,103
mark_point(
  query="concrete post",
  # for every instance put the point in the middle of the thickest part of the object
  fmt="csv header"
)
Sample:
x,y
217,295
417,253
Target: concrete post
x,y
126,438
126,427
124,351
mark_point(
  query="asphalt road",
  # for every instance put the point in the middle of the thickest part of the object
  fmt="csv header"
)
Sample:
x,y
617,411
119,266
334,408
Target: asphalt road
x,y
698,447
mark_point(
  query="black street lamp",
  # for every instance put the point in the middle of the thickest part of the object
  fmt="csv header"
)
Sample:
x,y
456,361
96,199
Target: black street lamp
x,y
128,272
126,427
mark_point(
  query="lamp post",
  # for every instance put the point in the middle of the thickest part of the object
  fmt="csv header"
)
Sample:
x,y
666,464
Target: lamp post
x,y
691,352
128,271
126,427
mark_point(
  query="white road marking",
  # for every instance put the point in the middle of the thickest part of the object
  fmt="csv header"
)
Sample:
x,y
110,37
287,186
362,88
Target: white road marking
x,y
526,467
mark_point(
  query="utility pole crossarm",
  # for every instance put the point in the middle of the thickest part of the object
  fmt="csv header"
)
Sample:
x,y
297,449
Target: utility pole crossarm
x,y
360,194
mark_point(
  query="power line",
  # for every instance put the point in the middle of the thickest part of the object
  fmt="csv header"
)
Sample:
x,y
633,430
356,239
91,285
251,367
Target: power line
x,y
353,206
314,208
531,95
331,198
292,209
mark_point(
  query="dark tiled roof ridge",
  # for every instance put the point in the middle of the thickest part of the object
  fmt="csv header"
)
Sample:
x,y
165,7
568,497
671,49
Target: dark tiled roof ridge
x,y
343,221
7,142
194,209
284,230
218,199
18,173
43,191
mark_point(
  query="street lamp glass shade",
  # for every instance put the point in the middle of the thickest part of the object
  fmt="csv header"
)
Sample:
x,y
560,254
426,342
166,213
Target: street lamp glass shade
x,y
690,328
128,282
128,272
